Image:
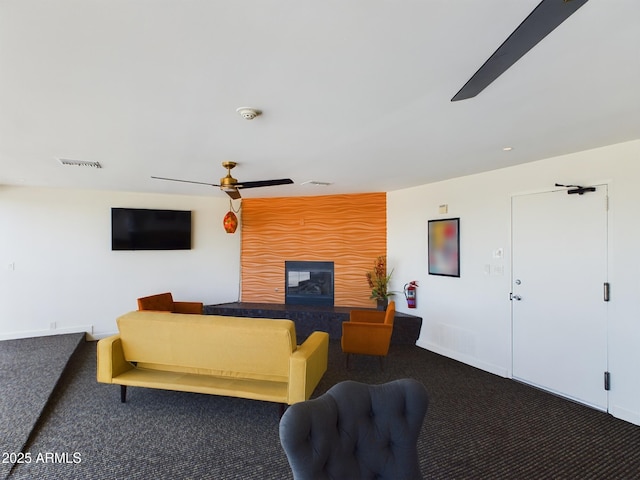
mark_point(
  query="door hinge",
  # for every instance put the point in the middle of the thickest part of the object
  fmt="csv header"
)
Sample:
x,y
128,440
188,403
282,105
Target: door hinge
x,y
607,291
607,381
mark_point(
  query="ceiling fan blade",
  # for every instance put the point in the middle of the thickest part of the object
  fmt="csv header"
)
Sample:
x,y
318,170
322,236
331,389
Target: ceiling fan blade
x,y
540,23
265,183
233,193
186,181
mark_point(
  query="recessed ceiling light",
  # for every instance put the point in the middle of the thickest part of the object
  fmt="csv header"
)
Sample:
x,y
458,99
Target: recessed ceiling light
x,y
507,149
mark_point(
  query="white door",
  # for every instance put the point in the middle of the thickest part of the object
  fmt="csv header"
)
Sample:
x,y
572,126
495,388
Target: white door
x,y
559,314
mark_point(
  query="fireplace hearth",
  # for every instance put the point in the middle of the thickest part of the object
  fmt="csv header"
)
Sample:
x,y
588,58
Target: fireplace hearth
x,y
309,283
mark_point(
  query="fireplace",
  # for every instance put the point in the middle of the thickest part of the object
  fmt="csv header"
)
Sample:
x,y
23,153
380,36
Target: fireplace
x,y
308,283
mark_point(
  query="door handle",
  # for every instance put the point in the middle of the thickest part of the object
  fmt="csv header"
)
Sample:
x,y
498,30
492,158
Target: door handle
x,y
516,297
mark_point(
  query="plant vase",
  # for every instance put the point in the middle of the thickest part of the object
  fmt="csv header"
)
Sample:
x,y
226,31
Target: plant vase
x,y
382,303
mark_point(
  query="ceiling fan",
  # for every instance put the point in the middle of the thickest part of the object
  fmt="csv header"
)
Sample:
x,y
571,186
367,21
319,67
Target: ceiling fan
x,y
540,23
230,185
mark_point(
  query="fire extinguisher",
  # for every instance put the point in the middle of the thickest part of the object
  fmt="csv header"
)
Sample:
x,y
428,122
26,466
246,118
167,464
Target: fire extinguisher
x,y
410,293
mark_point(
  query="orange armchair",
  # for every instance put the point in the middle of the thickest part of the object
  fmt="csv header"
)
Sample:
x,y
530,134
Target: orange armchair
x,y
163,302
368,332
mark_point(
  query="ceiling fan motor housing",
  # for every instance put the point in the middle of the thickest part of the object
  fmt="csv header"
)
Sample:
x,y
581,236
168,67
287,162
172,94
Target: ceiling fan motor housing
x,y
228,182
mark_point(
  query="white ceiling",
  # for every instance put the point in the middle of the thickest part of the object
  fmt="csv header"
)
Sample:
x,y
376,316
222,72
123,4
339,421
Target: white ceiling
x,y
353,92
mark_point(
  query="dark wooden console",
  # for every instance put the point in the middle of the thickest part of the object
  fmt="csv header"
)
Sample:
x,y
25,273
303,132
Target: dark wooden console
x,y
406,328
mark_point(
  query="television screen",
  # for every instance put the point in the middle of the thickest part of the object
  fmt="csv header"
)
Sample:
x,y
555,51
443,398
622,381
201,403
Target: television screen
x,y
145,229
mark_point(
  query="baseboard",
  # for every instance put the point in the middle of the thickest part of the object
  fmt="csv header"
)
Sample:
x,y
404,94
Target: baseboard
x,y
616,411
626,415
99,336
474,362
87,329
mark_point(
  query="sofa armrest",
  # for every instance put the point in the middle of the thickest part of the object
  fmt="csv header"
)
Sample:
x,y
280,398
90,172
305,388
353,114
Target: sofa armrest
x,y
307,366
369,316
110,357
187,307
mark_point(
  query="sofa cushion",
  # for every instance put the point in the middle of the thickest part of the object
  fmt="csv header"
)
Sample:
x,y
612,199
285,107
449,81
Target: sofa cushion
x,y
209,344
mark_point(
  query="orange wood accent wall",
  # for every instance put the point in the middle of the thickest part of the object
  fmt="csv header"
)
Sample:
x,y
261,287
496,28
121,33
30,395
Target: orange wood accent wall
x,y
349,230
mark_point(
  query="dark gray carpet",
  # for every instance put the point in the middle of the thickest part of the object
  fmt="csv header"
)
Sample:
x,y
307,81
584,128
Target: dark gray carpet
x,y
30,369
478,426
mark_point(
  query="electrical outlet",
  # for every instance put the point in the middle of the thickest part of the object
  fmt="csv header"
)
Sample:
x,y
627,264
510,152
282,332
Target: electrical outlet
x,y
52,326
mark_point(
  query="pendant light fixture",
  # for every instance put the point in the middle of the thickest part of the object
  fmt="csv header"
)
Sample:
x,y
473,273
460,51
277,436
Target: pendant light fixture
x,y
230,221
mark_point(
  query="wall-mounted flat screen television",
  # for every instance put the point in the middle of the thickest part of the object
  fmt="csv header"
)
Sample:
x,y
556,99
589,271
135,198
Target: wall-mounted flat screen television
x,y
146,229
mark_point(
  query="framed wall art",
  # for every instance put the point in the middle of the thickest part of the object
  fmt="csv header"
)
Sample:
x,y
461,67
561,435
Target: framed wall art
x,y
444,247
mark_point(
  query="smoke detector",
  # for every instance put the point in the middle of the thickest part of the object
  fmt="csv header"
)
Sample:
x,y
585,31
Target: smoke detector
x,y
248,113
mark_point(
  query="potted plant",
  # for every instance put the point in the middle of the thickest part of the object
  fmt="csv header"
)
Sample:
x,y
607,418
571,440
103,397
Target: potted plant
x,y
378,280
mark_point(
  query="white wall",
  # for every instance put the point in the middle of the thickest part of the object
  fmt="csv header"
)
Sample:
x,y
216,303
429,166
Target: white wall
x,y
469,318
65,271
56,263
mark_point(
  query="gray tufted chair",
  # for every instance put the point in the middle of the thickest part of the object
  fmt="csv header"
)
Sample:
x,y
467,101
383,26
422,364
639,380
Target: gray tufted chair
x,y
356,431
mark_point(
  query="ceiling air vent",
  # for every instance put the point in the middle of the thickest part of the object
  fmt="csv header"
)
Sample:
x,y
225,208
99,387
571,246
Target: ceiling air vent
x,y
316,183
78,163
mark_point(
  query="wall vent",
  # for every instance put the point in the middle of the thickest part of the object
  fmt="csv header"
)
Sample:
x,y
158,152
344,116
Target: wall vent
x,y
78,163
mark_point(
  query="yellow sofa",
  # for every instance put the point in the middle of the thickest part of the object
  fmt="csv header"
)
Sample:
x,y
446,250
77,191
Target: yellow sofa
x,y
251,358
